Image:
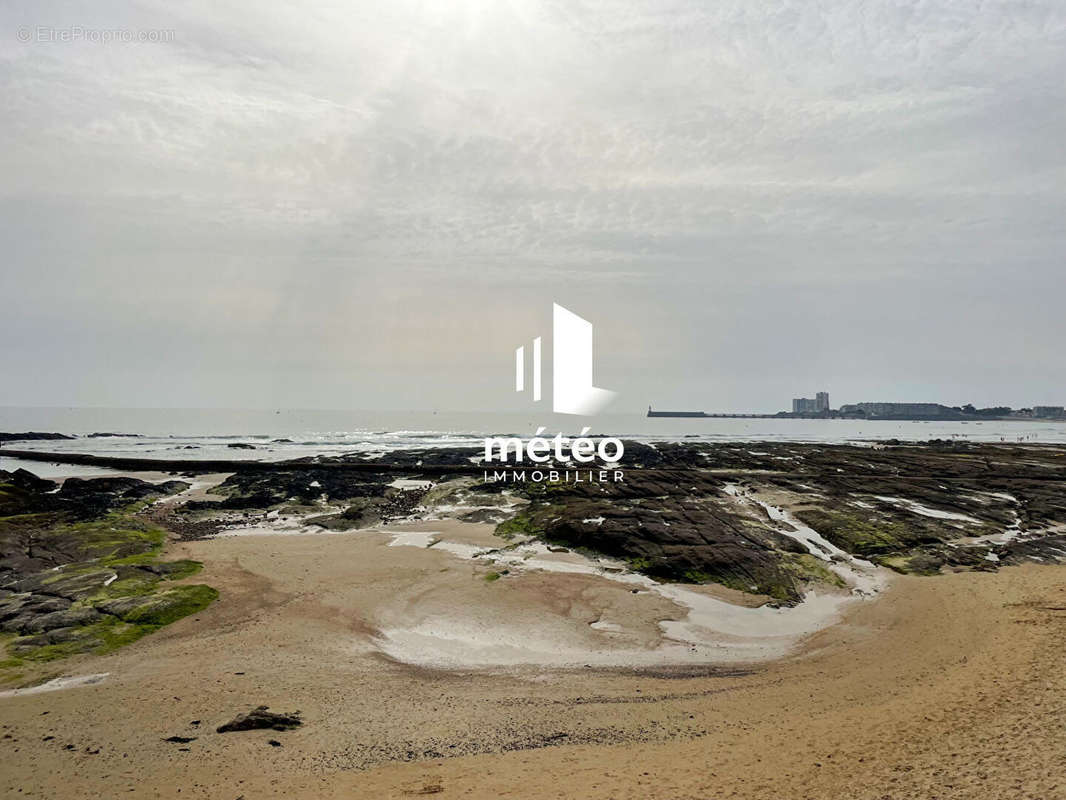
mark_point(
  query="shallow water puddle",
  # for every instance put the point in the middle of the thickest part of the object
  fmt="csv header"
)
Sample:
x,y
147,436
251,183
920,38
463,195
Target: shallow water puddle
x,y
66,682
710,630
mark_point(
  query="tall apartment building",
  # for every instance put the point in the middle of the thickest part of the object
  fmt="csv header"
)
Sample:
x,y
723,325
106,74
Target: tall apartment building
x,y
811,405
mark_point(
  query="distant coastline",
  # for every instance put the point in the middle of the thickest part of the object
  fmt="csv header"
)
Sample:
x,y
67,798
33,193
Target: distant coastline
x,y
893,412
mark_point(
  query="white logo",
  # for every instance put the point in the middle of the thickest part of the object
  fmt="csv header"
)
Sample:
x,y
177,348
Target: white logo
x,y
572,389
572,393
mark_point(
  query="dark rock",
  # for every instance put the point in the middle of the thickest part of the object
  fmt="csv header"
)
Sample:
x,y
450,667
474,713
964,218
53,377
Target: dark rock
x,y
430,457
15,607
494,515
86,498
1045,548
70,585
261,719
307,484
240,446
121,487
32,436
364,512
677,531
24,479
83,638
65,635
72,617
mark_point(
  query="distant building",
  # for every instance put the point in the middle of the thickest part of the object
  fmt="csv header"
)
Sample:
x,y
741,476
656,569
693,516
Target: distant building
x,y
811,405
1049,412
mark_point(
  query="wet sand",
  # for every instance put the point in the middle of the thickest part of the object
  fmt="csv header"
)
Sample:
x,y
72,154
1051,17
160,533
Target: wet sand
x,y
944,687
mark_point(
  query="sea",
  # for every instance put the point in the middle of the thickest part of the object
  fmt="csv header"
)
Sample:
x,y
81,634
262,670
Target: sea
x,y
278,434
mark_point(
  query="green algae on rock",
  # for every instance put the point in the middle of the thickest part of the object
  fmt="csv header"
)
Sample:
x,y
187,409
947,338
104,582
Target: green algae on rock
x,y
80,572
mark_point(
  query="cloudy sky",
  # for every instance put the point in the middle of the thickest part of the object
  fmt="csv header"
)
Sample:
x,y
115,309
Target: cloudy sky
x,y
369,205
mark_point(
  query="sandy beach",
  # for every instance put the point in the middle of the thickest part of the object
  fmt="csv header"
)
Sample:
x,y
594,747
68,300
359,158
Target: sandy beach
x,y
941,687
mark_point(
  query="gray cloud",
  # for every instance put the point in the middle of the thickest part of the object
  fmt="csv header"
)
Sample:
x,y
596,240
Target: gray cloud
x,y
347,206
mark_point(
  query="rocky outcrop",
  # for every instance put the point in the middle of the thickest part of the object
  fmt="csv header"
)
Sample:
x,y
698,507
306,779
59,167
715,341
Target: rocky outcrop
x,y
920,508
302,485
26,480
79,571
674,530
914,508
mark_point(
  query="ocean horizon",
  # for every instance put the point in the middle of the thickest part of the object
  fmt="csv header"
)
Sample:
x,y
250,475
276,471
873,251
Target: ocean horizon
x,y
284,434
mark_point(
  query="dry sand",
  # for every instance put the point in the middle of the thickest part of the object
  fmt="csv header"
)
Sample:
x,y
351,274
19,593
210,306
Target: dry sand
x,y
944,687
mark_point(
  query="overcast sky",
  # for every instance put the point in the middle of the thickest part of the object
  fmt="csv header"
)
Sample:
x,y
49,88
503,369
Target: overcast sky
x,y
370,205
